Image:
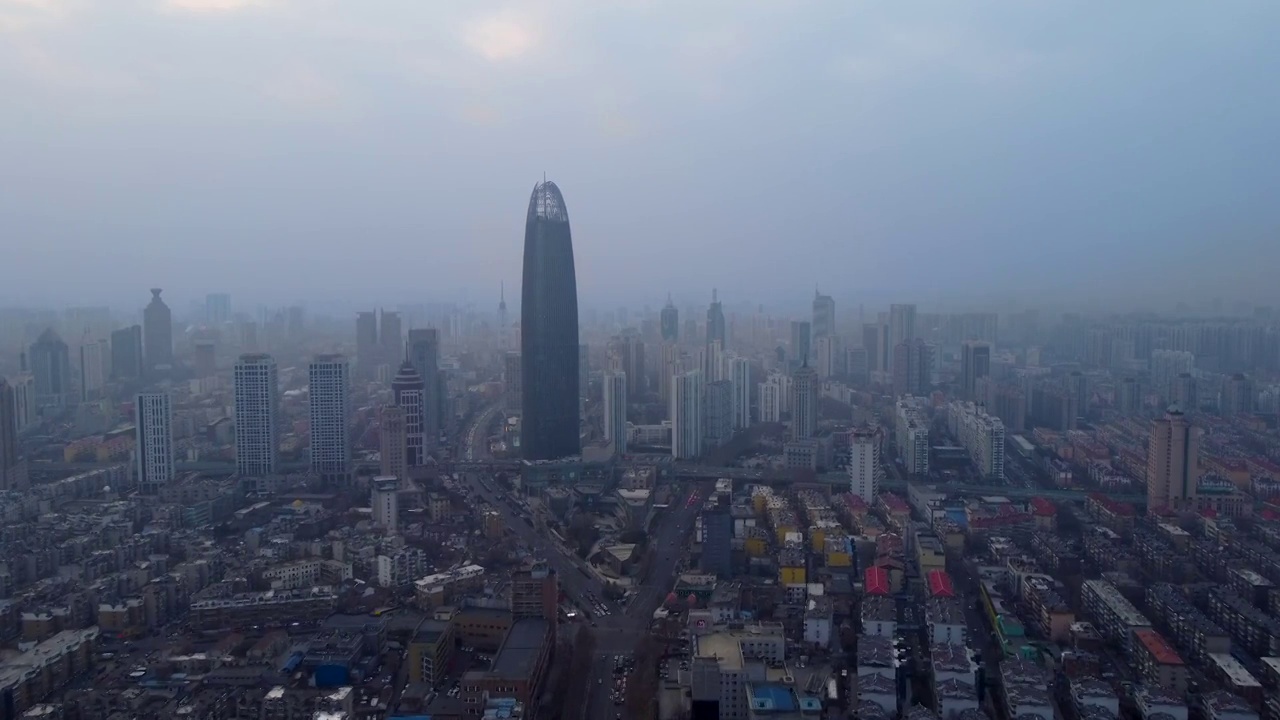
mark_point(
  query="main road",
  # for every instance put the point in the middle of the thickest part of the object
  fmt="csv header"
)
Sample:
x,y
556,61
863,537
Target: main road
x,y
620,631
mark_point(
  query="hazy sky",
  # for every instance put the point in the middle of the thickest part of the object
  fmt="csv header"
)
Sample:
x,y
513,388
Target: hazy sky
x,y
382,151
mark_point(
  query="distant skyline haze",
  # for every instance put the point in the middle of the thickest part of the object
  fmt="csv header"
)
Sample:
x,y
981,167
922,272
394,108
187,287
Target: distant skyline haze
x,y
982,154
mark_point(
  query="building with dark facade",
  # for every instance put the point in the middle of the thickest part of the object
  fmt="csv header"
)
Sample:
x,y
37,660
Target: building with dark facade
x,y
424,353
549,331
126,353
407,389
670,321
51,366
157,330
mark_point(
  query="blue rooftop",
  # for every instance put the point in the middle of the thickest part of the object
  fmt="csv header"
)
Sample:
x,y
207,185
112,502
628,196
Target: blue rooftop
x,y
766,697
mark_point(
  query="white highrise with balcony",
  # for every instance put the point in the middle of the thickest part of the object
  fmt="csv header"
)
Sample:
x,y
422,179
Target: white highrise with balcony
x,y
257,414
329,393
686,415
153,427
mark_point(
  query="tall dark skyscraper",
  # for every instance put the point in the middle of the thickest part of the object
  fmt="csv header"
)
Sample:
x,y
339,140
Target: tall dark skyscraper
x,y
51,366
549,331
126,353
157,333
424,353
407,390
670,322
715,322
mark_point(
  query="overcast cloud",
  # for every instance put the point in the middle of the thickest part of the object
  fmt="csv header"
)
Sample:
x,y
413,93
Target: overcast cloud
x,y
362,151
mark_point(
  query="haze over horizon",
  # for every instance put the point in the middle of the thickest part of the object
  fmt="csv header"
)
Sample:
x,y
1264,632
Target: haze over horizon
x,y
990,153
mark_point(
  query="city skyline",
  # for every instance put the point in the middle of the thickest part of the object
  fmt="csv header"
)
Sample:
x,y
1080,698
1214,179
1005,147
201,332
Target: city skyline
x,y
999,141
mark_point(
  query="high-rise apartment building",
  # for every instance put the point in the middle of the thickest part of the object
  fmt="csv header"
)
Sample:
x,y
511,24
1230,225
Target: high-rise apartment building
x,y
804,403
217,309
424,353
615,411
824,315
1165,366
670,364
801,343
686,415
329,397
712,361
390,337
368,356
407,389
982,435
717,416
511,388
871,343
864,463
975,362
670,322
94,358
153,429
51,366
775,397
549,346
10,452
392,441
717,540
1128,397
126,353
902,328
157,334
912,368
385,500
626,356
740,376
1173,461
257,414
1237,395
912,435
1185,392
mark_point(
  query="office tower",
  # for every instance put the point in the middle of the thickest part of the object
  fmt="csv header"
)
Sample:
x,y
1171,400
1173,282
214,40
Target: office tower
x,y
1185,393
686,415
549,331
975,362
367,355
670,364
864,463
1173,457
23,386
10,452
626,356
206,358
717,413
712,361
824,315
390,337
1128,397
670,320
740,376
801,339
1165,366
912,368
804,403
826,356
1237,395
51,366
857,364
1078,385
512,390
126,353
504,325
93,376
385,500
535,593
424,353
257,414
717,540
615,411
902,327
715,321
157,334
153,430
584,369
871,344
217,309
775,397
407,388
329,396
392,441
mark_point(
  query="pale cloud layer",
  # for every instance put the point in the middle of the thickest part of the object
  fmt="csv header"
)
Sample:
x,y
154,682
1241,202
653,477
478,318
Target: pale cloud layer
x,y
383,151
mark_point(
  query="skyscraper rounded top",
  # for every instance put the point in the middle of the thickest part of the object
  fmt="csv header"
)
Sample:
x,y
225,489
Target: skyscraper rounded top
x,y
547,203
155,293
